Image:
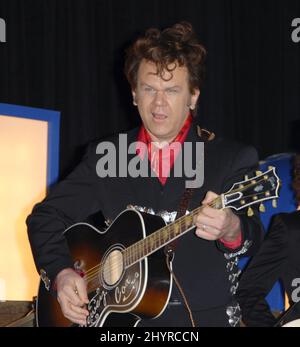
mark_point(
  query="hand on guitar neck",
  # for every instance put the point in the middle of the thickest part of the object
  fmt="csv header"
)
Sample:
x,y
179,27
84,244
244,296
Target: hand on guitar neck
x,y
213,224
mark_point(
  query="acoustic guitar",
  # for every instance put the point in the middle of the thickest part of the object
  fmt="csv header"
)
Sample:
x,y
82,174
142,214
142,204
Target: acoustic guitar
x,y
125,267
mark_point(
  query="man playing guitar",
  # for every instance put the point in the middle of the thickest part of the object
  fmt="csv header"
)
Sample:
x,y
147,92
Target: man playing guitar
x,y
165,71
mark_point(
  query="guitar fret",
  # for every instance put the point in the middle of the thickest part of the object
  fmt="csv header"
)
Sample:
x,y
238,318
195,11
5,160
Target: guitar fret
x,y
165,235
130,254
127,256
160,238
140,250
157,241
152,243
189,221
134,252
145,247
176,230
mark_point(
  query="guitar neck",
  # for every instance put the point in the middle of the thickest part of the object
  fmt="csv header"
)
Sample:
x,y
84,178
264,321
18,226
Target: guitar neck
x,y
163,236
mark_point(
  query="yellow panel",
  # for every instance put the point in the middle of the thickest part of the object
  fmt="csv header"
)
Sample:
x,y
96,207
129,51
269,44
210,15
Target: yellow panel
x,y
286,301
23,172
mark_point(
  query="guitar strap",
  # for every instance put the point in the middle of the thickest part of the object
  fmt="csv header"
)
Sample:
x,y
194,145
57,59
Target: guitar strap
x,y
205,136
181,211
170,250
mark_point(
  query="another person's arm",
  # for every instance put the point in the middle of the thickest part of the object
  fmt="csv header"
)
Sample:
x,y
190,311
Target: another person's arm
x,y
266,267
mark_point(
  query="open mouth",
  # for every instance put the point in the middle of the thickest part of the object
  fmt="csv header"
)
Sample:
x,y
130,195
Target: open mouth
x,y
159,116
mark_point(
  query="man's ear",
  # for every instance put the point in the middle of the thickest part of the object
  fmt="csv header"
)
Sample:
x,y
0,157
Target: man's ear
x,y
134,98
194,98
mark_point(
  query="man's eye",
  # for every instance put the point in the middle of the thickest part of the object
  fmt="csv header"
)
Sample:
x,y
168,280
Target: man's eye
x,y
172,91
148,89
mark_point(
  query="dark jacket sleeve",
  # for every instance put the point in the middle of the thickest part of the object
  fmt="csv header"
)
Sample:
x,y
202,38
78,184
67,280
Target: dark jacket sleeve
x,y
70,201
245,162
264,270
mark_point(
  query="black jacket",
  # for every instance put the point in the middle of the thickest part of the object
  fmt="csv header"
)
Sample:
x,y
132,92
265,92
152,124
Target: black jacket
x,y
200,265
277,259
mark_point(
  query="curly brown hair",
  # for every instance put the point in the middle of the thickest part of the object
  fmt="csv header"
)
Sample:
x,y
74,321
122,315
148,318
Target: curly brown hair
x,y
167,48
296,180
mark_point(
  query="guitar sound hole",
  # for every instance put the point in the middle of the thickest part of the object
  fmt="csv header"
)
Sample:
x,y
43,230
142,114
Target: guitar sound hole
x,y
113,267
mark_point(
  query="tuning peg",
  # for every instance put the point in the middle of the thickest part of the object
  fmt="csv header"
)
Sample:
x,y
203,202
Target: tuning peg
x,y
274,203
246,177
258,172
250,212
270,167
262,208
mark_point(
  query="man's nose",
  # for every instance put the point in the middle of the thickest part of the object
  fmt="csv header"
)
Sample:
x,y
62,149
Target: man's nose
x,y
160,98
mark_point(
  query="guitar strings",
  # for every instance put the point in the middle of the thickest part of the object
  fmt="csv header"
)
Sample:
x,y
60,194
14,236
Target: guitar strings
x,y
93,272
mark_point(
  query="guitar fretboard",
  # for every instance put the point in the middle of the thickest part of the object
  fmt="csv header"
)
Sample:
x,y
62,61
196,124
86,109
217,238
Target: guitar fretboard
x,y
162,237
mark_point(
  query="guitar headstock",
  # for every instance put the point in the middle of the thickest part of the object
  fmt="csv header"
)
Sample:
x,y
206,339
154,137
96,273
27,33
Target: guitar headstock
x,y
254,190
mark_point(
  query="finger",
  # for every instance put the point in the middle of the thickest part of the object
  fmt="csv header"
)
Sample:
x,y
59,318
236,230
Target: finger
x,y
201,220
70,311
72,296
209,197
65,306
209,216
205,235
210,212
79,310
210,230
81,290
76,319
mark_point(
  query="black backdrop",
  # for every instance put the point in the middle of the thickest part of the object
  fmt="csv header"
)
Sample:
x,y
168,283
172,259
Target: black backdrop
x,y
68,55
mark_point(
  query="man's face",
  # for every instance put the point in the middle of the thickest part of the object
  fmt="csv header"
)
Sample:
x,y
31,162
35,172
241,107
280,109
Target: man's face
x,y
163,105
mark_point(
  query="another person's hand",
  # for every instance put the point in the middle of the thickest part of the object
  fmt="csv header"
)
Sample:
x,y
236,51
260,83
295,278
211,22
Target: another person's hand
x,y
214,224
72,296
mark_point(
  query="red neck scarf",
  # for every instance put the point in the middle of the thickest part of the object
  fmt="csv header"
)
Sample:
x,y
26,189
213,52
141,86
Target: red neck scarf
x,y
162,159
